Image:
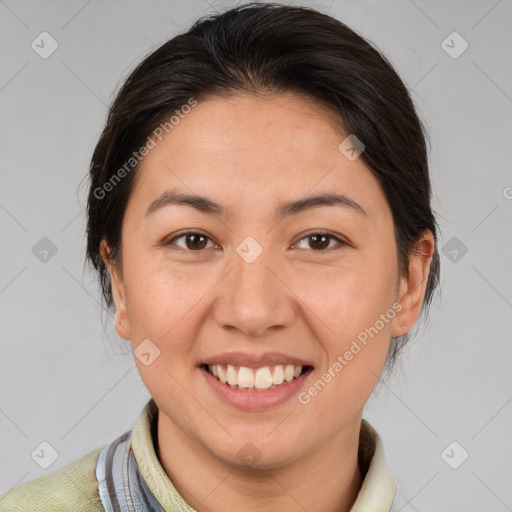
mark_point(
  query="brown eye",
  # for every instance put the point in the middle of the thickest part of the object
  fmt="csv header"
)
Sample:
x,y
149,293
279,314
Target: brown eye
x,y
321,241
194,242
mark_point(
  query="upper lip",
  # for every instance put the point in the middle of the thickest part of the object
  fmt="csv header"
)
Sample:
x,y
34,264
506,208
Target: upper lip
x,y
255,360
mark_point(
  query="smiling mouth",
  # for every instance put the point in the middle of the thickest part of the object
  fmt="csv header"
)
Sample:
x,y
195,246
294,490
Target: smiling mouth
x,y
256,379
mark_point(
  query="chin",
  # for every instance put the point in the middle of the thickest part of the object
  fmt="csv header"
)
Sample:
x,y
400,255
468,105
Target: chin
x,y
257,454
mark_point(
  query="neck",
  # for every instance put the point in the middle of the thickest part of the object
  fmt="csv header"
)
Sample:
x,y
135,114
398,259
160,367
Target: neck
x,y
328,478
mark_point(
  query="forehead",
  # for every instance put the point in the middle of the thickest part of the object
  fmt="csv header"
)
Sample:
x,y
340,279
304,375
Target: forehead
x,y
259,147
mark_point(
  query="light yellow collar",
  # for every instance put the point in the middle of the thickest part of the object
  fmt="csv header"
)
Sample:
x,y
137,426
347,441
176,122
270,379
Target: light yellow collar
x,y
379,487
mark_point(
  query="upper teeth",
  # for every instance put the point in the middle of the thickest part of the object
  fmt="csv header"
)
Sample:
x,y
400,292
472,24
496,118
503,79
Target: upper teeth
x,y
259,378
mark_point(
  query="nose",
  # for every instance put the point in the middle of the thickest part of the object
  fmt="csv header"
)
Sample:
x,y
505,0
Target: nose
x,y
254,297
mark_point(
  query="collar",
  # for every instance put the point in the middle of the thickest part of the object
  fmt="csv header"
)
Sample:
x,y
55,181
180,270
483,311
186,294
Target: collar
x,y
376,494
379,487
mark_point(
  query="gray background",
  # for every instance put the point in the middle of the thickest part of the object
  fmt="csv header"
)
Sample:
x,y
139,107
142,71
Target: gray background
x,y
66,380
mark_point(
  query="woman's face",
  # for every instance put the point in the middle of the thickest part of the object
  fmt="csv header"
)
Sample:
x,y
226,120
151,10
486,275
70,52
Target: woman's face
x,y
245,273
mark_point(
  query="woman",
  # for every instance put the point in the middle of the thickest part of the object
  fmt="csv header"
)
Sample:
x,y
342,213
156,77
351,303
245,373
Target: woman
x,y
259,217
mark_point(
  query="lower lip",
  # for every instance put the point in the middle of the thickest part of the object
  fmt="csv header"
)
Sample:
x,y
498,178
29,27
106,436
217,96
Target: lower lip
x,y
256,400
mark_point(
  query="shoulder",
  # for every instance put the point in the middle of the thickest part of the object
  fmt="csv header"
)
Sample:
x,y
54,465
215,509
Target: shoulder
x,y
73,487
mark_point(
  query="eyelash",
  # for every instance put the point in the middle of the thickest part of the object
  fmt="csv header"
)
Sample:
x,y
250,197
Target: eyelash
x,y
341,243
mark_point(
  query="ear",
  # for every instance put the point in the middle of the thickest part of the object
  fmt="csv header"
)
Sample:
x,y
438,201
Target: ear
x,y
412,290
121,323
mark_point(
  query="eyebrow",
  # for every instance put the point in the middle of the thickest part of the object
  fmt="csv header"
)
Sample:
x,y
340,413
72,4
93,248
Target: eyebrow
x,y
206,205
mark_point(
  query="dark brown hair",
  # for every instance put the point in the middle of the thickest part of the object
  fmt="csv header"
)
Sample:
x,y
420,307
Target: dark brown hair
x,y
269,48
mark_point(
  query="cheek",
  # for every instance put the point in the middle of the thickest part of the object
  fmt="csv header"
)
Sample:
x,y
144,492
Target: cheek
x,y
160,297
350,296
352,301
165,307
356,352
